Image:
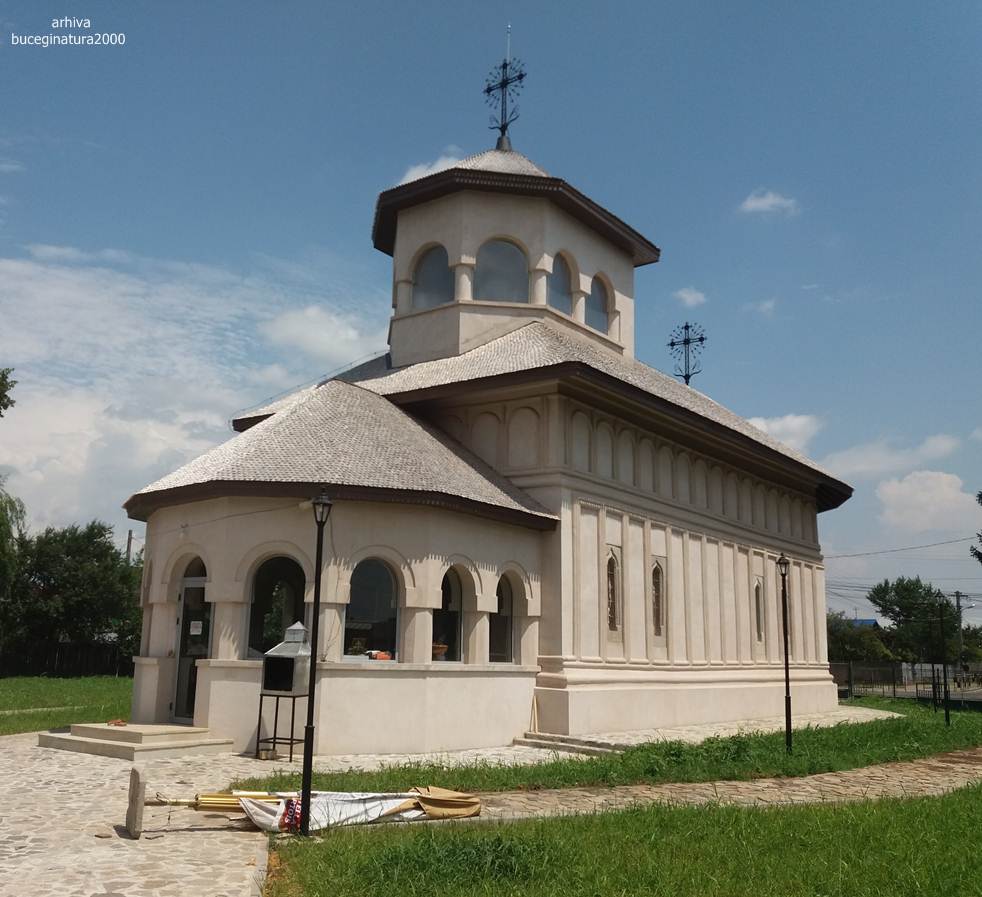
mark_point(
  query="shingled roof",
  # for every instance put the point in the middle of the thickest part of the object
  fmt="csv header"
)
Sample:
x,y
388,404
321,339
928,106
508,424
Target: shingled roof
x,y
358,444
541,346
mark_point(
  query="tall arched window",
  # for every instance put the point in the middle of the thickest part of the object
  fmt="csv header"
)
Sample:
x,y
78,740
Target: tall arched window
x,y
277,602
613,593
432,279
598,306
371,617
560,286
759,609
448,619
502,273
658,600
501,626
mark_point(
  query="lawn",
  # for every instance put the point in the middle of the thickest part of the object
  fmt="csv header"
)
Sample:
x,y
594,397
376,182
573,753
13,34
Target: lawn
x,y
34,703
919,732
888,848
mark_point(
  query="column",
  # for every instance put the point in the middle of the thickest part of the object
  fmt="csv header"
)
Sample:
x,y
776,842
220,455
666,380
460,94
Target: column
x,y
463,282
540,287
403,296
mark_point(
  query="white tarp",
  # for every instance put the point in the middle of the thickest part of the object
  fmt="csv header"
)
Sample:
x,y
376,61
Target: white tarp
x,y
331,808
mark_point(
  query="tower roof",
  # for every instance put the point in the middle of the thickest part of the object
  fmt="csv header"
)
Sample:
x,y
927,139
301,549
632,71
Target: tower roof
x,y
507,171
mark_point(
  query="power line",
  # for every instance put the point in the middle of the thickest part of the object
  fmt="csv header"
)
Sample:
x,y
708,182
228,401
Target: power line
x,y
866,554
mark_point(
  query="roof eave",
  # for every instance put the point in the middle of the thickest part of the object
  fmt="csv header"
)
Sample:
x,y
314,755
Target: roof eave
x,y
567,197
142,504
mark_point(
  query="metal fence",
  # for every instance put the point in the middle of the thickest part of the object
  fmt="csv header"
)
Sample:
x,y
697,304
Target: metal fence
x,y
920,681
66,659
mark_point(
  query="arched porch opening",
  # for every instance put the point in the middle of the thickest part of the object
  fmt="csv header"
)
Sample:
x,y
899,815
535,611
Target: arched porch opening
x,y
278,588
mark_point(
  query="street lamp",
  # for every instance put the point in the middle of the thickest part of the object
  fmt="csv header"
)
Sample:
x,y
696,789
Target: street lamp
x,y
783,565
322,510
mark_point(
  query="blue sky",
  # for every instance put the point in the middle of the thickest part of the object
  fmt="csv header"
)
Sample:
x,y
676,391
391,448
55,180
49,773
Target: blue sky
x,y
185,223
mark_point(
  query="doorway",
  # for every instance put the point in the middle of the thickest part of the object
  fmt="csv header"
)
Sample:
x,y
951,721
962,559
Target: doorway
x,y
194,624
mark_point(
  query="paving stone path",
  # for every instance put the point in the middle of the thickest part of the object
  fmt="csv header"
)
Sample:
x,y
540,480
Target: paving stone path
x,y
61,819
931,776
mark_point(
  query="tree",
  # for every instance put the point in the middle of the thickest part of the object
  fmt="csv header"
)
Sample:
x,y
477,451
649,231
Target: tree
x,y
6,387
11,528
71,584
915,608
850,642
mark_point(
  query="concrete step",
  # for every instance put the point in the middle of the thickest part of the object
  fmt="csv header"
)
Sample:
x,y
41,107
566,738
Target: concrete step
x,y
140,733
585,740
128,750
553,743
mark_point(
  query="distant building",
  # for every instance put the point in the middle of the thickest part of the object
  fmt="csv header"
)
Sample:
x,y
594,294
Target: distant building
x,y
531,528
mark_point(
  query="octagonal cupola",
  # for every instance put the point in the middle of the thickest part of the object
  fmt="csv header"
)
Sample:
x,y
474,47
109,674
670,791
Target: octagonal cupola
x,y
494,243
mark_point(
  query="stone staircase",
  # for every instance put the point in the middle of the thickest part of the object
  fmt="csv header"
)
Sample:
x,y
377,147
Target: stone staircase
x,y
569,744
135,740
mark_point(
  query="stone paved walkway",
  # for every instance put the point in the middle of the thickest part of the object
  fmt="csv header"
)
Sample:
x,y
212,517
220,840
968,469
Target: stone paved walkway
x,y
917,778
61,817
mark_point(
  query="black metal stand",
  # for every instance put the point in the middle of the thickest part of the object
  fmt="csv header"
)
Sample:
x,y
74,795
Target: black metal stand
x,y
275,739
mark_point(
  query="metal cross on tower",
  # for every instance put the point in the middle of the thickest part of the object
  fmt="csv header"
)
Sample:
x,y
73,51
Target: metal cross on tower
x,y
505,80
686,345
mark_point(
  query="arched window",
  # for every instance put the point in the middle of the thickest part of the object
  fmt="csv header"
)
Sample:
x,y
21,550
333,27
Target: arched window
x,y
598,306
433,279
447,620
613,593
502,273
560,286
759,609
277,602
371,617
658,600
501,627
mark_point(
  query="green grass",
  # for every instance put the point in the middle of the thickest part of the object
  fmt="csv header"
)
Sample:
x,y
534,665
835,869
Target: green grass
x,y
918,733
888,848
39,702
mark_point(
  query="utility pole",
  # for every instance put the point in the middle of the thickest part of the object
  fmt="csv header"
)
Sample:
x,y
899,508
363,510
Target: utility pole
x,y
129,546
944,662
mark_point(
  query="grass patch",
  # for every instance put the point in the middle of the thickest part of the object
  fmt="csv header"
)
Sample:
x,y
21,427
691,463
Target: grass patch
x,y
922,846
35,703
918,733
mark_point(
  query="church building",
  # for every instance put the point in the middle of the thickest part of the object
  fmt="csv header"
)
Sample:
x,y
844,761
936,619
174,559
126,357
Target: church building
x,y
531,529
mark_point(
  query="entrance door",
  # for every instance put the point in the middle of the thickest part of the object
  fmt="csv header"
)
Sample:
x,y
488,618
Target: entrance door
x,y
195,626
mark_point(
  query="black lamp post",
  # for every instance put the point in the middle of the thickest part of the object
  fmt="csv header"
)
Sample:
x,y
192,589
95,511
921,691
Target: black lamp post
x,y
322,510
783,565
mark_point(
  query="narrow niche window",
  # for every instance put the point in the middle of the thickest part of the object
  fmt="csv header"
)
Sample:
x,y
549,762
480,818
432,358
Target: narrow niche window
x,y
502,273
598,306
613,593
658,600
560,286
433,279
371,617
447,620
501,627
759,609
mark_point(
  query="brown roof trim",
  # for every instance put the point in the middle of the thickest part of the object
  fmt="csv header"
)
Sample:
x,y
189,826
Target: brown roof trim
x,y
580,206
830,493
141,505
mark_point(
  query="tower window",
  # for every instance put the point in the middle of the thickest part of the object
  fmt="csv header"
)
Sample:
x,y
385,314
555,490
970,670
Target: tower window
x,y
433,279
613,593
560,286
597,306
502,273
657,600
759,610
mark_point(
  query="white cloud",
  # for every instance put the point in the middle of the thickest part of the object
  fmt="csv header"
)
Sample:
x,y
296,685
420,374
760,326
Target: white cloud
x,y
880,457
794,430
447,159
329,337
929,500
767,201
764,307
10,166
127,367
690,297
976,435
